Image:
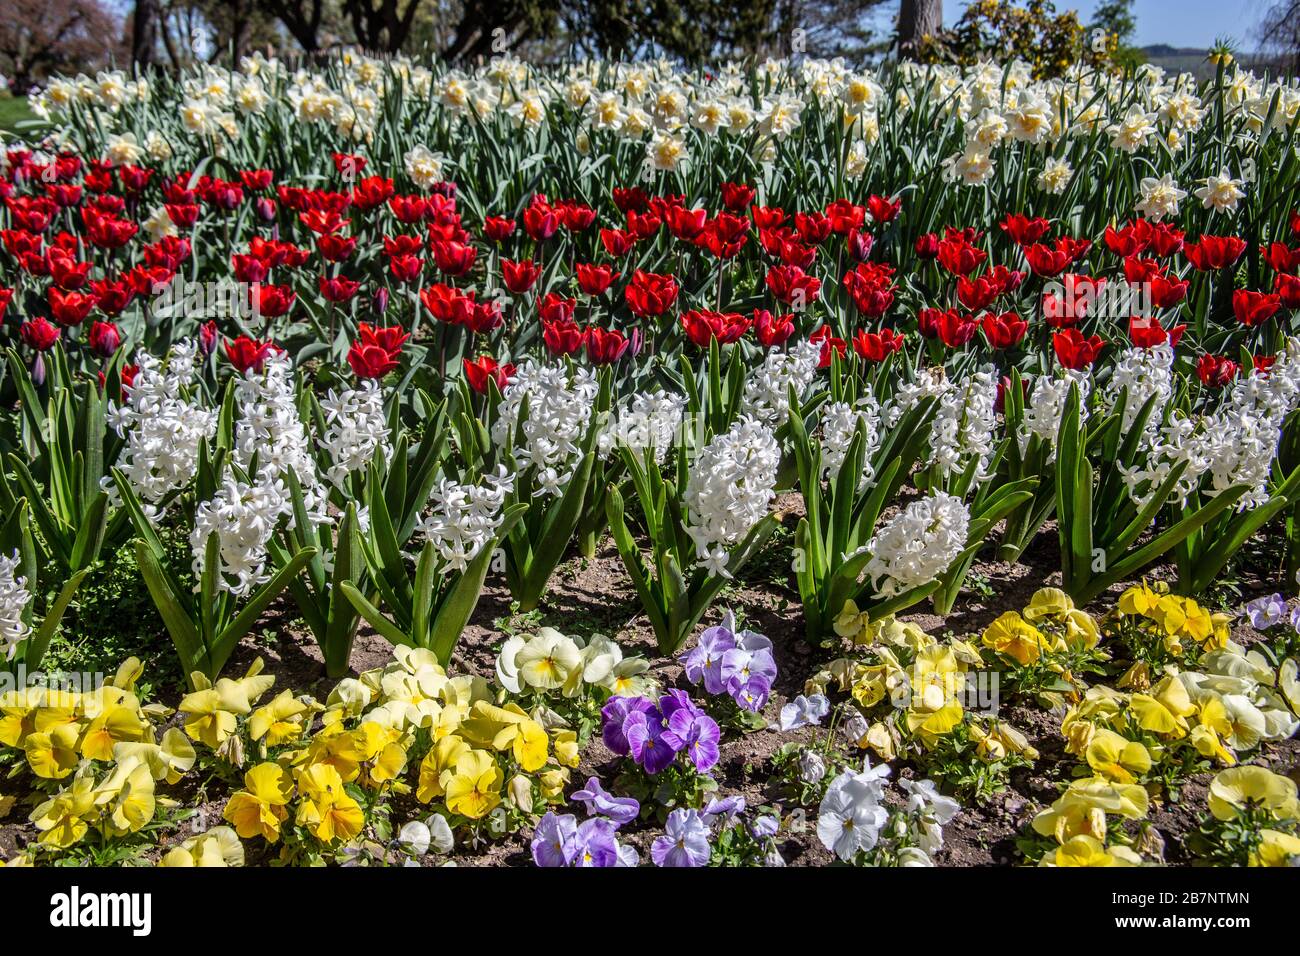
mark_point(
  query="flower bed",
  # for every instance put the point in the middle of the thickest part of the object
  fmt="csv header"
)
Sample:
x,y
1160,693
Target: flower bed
x,y
615,466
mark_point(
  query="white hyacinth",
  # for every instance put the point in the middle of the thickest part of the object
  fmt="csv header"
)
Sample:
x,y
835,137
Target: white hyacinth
x,y
1233,445
464,518
1045,407
1144,373
839,422
270,430
964,423
560,404
356,431
918,544
244,516
930,383
14,598
731,485
162,426
767,391
644,421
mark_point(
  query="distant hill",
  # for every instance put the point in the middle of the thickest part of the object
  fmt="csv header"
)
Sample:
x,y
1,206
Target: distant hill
x,y
1181,59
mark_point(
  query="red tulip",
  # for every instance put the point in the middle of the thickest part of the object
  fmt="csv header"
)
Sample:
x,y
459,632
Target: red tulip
x,y
883,210
877,346
1023,230
338,288
1216,371
1074,351
556,308
486,369
792,286
519,277
594,279
844,216
1146,333
648,294
1214,252
1254,308
70,308
771,330
737,196
703,326
605,345
829,344
1003,330
245,353
562,337
273,301
104,338
39,334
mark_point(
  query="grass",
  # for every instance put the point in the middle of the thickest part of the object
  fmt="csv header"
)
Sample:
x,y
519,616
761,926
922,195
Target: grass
x,y
13,110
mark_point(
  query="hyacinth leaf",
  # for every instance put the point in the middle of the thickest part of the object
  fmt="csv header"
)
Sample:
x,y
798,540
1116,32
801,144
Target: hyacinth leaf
x,y
458,604
375,617
341,617
635,565
231,634
39,640
176,617
1215,550
1167,539
209,598
143,526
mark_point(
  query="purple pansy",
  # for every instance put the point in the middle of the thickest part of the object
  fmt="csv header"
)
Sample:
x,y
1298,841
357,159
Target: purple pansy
x,y
614,714
685,841
1265,612
598,800
594,844
697,735
646,741
554,841
704,662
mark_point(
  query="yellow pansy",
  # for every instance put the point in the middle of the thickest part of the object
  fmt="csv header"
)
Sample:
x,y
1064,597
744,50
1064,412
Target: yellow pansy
x,y
473,787
1233,789
1276,849
64,819
52,754
214,710
217,847
129,796
326,808
1117,758
1050,603
852,624
114,724
1139,600
565,743
259,809
552,782
1015,637
280,720
168,761
507,728
1086,850
437,763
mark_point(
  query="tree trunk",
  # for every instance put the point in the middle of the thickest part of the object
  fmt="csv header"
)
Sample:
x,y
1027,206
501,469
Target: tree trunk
x,y
917,19
144,33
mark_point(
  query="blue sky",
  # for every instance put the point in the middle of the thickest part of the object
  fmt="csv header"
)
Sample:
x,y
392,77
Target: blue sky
x,y
1185,23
